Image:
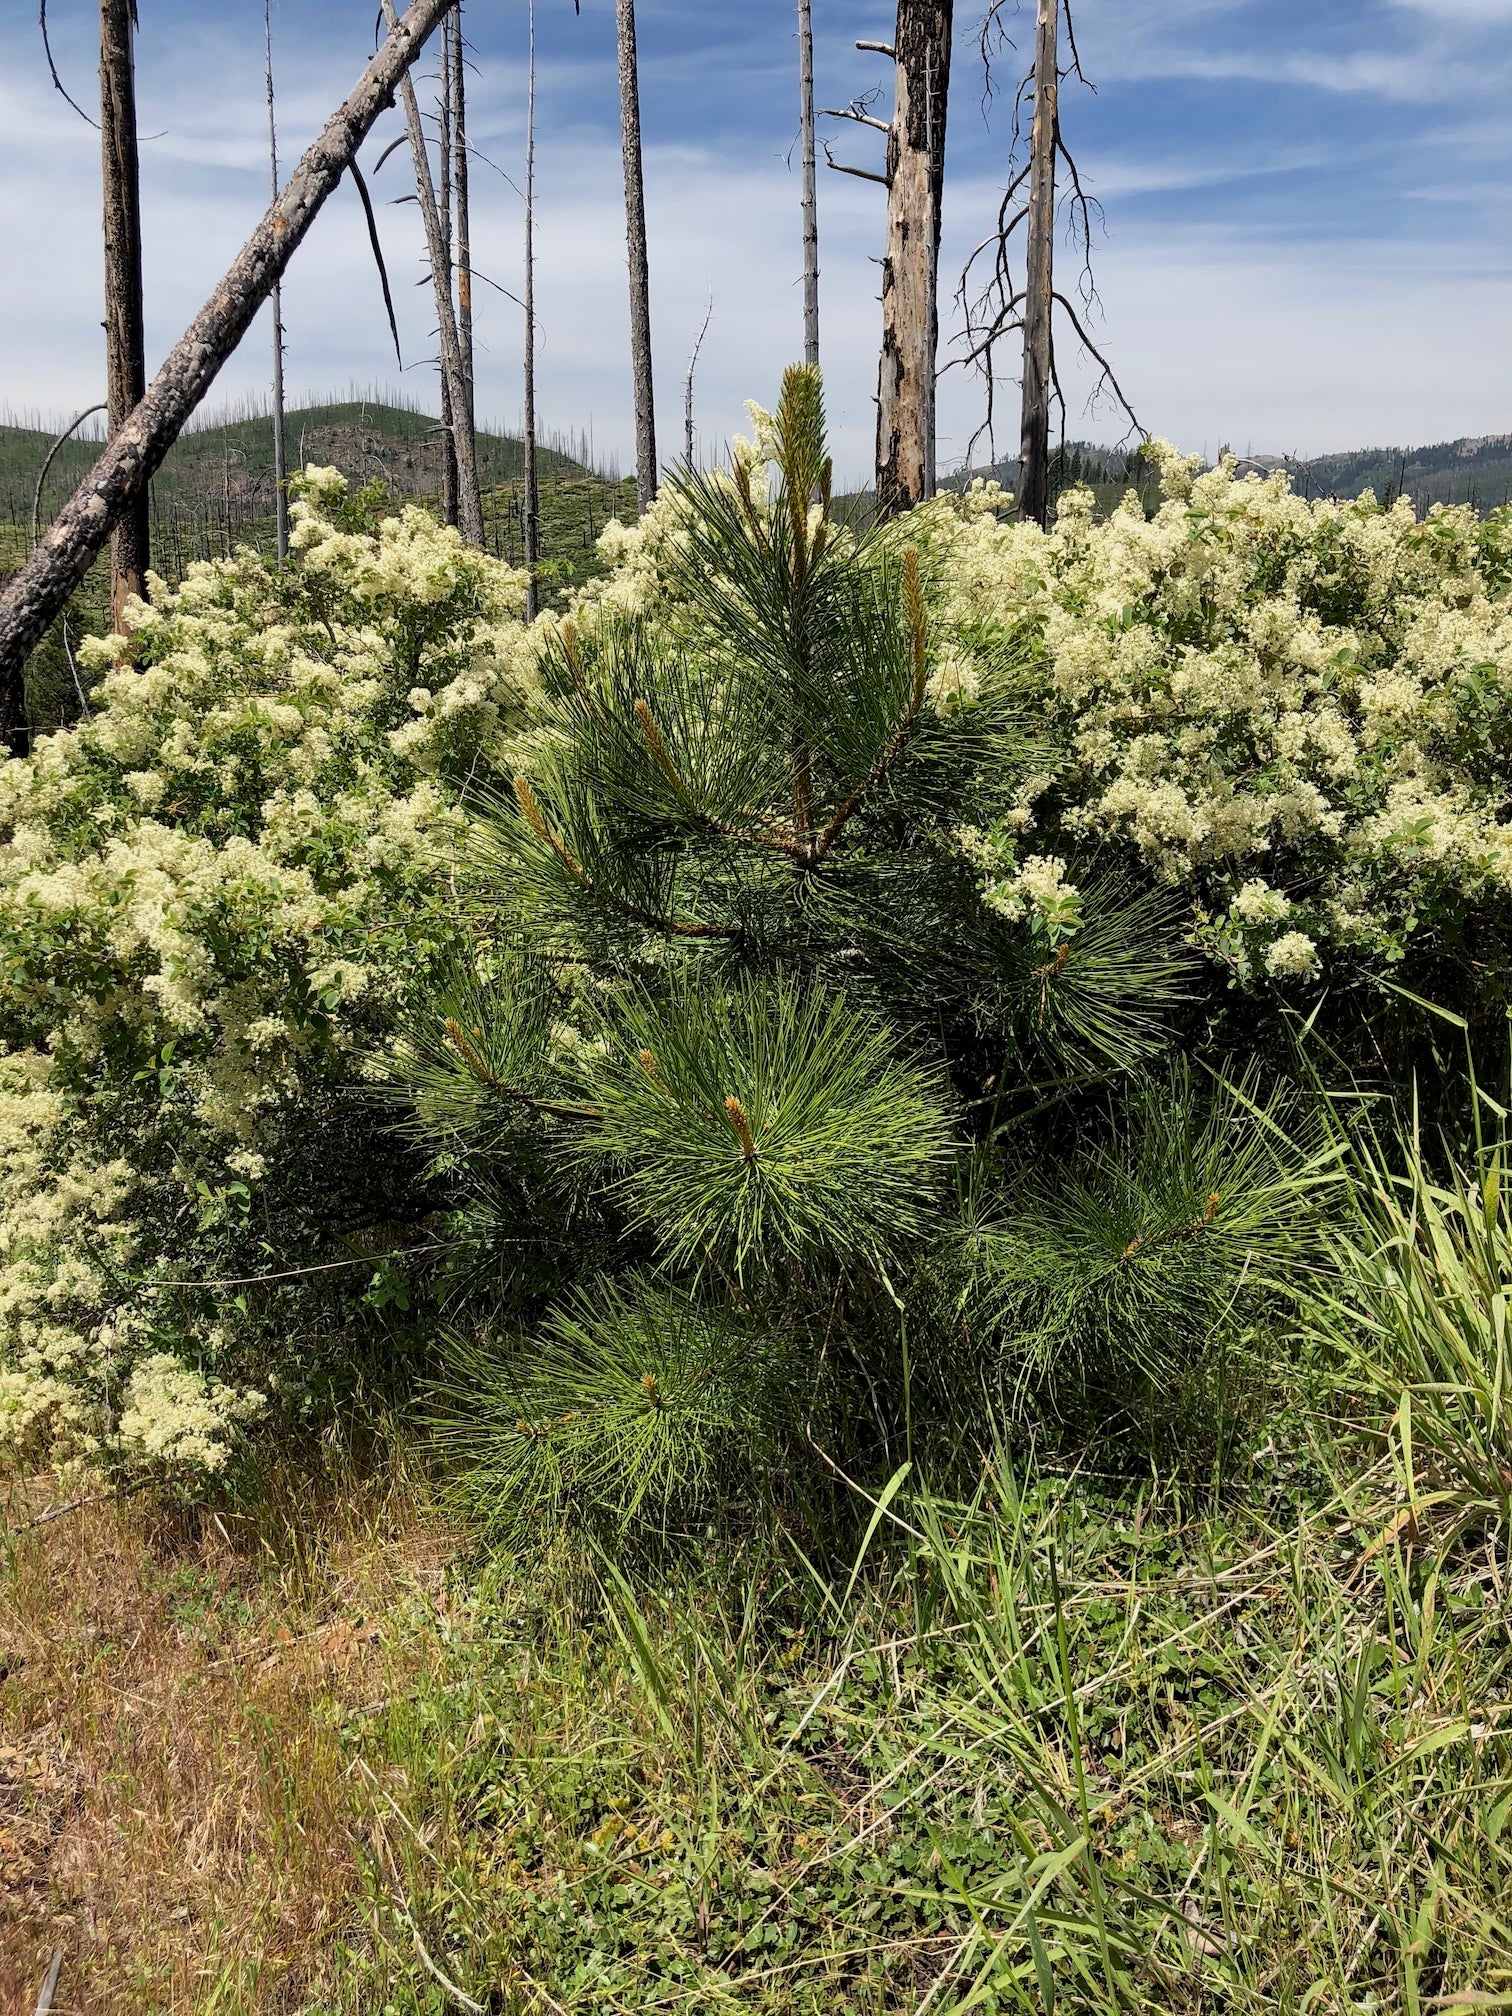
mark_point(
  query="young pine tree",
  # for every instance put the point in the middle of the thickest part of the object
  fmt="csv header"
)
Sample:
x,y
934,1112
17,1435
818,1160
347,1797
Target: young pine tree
x,y
726,1087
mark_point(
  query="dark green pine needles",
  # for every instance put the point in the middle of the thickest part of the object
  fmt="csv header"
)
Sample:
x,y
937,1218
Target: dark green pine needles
x,y
746,1062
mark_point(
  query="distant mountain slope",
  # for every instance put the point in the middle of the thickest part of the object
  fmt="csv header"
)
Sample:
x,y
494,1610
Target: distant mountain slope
x,y
228,464
1475,470
214,494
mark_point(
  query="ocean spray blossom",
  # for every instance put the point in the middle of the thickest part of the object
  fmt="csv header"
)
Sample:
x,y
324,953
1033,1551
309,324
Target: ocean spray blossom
x,y
211,894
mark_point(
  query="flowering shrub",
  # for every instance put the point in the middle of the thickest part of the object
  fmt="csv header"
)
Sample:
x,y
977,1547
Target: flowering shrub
x,y
214,894
219,895
1296,711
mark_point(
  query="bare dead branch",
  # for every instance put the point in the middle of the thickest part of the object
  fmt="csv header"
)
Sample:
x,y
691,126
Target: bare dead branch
x,y
42,475
862,174
1102,363
861,118
376,243
52,68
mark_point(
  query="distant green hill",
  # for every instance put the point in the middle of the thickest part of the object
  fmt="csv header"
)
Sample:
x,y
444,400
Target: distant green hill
x,y
215,493
1474,470
225,467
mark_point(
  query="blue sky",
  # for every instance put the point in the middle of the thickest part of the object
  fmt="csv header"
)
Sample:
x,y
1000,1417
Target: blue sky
x,y
1308,207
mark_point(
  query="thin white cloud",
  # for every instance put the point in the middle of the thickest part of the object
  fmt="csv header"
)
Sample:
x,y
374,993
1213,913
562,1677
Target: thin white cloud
x,y
1240,333
1459,13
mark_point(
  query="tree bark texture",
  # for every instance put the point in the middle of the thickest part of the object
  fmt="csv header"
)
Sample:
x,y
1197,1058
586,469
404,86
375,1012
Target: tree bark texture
x,y
134,455
911,258
469,496
449,415
810,190
1034,433
531,503
639,261
125,332
463,197
280,450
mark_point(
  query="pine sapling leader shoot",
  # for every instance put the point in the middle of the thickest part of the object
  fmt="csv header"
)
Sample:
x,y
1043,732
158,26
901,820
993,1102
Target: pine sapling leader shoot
x,y
120,477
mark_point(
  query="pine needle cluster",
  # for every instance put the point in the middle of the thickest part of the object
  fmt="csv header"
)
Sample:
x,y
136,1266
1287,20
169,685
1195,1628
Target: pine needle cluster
x,y
748,1054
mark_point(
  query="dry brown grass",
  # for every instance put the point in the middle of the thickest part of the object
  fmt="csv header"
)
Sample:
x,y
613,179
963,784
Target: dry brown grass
x,y
175,1810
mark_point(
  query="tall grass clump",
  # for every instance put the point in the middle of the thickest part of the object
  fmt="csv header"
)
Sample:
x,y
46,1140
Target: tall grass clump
x,y
1415,1313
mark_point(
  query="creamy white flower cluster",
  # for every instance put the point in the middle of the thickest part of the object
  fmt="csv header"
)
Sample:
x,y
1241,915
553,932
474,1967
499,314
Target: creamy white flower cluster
x,y
1295,709
208,893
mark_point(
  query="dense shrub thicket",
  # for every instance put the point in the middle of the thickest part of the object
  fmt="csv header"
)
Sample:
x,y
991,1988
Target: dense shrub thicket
x,y
822,1076
213,895
818,972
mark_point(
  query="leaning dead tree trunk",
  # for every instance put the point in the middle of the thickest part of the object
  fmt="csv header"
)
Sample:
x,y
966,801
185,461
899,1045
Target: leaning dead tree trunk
x,y
640,265
134,455
915,178
469,496
125,333
1039,282
531,511
810,192
280,454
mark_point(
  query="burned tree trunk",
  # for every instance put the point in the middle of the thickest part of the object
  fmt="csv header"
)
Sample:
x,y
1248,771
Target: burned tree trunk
x,y
444,150
636,253
280,455
810,192
461,183
1039,281
469,496
910,263
121,476
125,334
531,502
1003,307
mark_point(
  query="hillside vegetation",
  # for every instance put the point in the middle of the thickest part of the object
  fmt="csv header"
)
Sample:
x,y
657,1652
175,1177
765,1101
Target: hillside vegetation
x,y
1474,470
214,493
786,1294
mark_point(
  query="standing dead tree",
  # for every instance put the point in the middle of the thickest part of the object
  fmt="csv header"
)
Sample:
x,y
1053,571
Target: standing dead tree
x,y
132,457
914,177
125,327
1002,306
469,494
810,191
689,442
444,176
638,257
280,453
462,200
531,503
